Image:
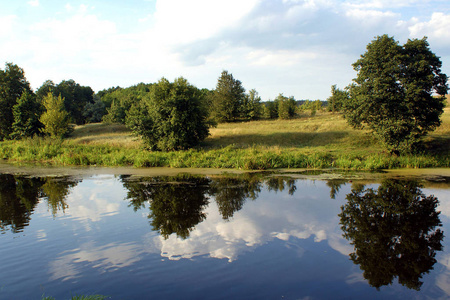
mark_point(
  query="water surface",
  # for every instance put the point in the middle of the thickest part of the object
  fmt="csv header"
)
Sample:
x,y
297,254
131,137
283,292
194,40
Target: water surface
x,y
241,236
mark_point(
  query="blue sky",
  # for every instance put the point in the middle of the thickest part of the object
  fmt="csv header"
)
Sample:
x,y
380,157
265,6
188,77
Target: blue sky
x,y
295,47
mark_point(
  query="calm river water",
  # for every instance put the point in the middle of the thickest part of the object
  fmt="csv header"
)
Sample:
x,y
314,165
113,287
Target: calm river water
x,y
247,236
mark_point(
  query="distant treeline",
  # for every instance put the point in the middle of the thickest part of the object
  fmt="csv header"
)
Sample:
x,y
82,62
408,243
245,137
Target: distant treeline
x,y
53,107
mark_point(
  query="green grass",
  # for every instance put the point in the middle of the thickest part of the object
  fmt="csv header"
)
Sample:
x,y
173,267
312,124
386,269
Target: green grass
x,y
322,141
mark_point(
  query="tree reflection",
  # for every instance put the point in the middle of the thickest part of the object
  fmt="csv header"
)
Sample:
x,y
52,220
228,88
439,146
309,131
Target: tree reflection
x,y
335,186
56,191
231,193
393,231
279,183
18,198
176,203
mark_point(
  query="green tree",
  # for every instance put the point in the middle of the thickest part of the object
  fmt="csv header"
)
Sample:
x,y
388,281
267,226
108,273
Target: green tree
x,y
251,108
393,231
228,98
286,107
75,98
337,99
170,117
12,84
47,87
270,110
55,119
393,92
26,117
94,112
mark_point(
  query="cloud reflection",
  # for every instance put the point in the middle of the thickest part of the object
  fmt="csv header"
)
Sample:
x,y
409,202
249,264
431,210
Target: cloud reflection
x,y
262,221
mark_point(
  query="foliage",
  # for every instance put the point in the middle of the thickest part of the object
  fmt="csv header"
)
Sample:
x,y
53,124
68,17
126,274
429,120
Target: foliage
x,y
119,101
270,110
393,92
75,98
55,119
286,107
26,117
251,108
393,231
324,141
313,106
171,117
94,112
337,99
228,98
12,84
47,87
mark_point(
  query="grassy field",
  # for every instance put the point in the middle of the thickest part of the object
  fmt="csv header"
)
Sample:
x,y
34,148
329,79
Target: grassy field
x,y
322,141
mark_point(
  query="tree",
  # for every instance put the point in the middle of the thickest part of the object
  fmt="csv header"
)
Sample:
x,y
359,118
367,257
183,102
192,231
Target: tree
x,y
251,108
337,99
393,231
270,110
393,92
47,87
170,117
12,84
286,107
228,98
26,117
94,112
55,118
75,98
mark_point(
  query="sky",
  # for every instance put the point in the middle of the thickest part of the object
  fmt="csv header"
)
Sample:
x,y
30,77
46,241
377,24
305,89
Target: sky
x,y
297,48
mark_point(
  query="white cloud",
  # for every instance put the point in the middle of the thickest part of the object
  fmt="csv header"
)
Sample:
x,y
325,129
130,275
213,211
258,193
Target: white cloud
x,y
34,3
437,29
107,257
7,24
180,21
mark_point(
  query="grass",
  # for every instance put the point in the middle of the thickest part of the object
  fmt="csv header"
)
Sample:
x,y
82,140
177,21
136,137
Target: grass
x,y
322,141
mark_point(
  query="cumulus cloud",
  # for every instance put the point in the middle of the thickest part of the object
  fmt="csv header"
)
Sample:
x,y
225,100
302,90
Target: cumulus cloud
x,y
274,46
437,29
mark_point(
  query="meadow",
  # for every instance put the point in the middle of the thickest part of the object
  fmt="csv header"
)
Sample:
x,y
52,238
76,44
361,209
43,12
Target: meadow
x,y
321,141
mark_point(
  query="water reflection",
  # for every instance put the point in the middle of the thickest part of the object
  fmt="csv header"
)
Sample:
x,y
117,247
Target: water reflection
x,y
18,198
393,231
177,203
20,195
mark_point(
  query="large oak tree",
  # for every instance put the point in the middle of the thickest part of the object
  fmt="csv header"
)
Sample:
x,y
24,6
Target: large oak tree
x,y
398,92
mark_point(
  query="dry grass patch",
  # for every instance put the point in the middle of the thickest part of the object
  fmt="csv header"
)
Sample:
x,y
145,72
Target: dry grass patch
x,y
104,134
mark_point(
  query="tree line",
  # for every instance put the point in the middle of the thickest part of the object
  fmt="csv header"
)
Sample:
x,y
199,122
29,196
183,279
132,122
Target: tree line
x,y
167,115
398,94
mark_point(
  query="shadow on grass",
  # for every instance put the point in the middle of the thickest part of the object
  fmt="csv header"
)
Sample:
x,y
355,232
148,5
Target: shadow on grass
x,y
283,139
438,145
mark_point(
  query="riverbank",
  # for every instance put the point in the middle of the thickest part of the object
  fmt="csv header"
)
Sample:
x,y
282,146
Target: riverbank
x,y
322,141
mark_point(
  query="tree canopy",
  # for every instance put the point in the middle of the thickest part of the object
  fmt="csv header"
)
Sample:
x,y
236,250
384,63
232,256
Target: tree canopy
x,y
12,84
55,118
394,92
170,116
228,98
